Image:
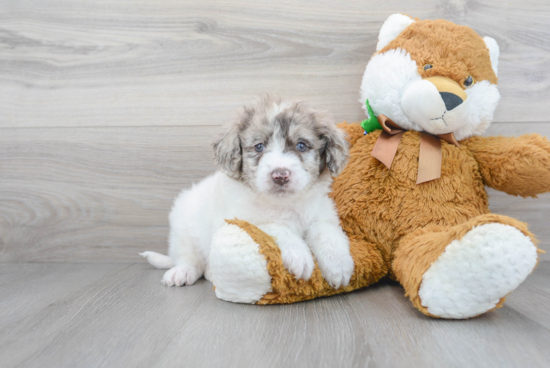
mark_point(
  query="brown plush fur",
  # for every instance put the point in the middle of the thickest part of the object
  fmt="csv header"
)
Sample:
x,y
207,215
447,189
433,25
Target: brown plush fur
x,y
517,166
384,205
454,51
399,228
418,250
287,289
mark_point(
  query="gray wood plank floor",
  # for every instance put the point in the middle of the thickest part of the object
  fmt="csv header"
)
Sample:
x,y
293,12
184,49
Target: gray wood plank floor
x,y
119,315
106,113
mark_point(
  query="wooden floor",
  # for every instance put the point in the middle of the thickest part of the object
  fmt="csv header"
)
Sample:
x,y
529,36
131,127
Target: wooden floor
x,y
119,315
107,111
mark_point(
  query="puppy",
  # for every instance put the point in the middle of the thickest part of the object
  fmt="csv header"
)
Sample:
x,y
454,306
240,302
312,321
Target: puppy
x,y
276,160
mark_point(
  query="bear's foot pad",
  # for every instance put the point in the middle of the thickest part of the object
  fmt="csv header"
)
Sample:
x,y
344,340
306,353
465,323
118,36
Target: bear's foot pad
x,y
236,267
474,273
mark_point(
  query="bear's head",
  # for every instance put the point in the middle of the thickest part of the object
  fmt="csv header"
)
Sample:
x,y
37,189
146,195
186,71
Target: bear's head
x,y
433,76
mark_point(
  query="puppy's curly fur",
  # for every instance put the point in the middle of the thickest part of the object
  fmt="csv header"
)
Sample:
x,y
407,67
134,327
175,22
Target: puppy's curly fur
x,y
277,159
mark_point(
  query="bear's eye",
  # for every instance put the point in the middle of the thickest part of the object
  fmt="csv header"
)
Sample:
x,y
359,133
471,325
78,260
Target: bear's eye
x,y
427,66
259,147
468,81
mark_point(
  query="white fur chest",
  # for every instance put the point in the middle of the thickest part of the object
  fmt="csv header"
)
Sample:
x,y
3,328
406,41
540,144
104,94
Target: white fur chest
x,y
296,212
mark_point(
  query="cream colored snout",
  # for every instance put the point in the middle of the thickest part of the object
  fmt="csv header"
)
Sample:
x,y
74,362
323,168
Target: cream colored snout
x,y
434,103
450,92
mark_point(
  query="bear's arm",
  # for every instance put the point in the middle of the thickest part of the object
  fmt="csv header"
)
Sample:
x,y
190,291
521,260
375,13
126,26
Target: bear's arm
x,y
353,131
517,166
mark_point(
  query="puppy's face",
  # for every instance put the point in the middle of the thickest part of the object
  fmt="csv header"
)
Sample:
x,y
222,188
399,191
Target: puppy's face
x,y
280,147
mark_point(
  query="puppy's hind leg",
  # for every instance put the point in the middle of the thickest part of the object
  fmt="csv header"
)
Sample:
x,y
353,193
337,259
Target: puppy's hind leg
x,y
188,266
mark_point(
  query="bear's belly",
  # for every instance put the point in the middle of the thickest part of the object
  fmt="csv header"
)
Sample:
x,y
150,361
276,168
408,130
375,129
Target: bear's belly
x,y
381,205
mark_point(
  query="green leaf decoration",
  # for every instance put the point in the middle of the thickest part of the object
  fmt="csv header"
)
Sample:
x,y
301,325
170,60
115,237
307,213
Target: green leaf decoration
x,y
371,124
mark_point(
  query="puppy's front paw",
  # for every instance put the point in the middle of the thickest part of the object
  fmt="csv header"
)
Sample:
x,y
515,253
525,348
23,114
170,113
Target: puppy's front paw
x,y
336,267
181,275
298,262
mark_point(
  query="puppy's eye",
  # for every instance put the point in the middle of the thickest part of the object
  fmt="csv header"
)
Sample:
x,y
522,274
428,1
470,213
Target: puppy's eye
x,y
259,147
468,81
301,146
427,66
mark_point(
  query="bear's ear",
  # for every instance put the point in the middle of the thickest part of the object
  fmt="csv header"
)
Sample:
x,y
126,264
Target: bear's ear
x,y
494,52
392,27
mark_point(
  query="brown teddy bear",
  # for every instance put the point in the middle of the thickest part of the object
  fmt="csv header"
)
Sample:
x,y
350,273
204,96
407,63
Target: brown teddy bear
x,y
412,198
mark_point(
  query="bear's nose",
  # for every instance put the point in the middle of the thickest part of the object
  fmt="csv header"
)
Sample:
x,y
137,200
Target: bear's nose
x,y
451,100
280,176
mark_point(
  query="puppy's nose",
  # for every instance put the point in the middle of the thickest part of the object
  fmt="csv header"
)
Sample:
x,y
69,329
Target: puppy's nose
x,y
280,176
451,100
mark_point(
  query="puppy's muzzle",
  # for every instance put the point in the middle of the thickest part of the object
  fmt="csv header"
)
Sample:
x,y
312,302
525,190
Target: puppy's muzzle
x,y
280,176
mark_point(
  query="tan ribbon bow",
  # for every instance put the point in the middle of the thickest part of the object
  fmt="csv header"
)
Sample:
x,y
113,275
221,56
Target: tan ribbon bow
x,y
429,157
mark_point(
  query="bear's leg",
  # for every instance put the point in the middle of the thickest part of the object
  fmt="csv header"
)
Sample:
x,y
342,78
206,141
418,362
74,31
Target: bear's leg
x,y
246,266
465,270
236,267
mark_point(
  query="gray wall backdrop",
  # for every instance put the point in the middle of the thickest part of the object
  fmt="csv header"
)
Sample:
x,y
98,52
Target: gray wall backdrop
x,y
107,108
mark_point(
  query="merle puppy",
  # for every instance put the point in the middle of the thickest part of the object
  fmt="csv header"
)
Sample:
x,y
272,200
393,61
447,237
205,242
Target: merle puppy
x,y
277,159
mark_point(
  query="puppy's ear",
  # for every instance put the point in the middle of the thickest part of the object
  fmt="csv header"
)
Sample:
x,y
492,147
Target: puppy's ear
x,y
228,150
336,146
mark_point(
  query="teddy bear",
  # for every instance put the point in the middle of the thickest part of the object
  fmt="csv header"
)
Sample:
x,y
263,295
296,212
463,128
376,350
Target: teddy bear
x,y
412,198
